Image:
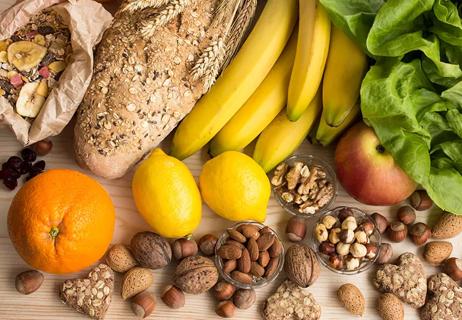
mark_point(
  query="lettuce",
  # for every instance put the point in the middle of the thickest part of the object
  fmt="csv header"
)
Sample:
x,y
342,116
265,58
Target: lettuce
x,y
412,96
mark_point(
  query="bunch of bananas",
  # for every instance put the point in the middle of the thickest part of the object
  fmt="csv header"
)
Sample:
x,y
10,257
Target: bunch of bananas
x,y
311,68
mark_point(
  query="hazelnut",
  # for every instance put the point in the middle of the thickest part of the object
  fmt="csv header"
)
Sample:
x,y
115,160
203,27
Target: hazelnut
x,y
321,232
333,235
352,263
336,262
420,200
453,268
385,254
345,213
397,231
143,304
380,221
296,229
420,233
223,290
346,236
43,147
342,248
371,250
406,215
225,309
29,281
329,221
183,248
207,244
368,227
349,223
327,248
244,299
358,250
173,297
361,237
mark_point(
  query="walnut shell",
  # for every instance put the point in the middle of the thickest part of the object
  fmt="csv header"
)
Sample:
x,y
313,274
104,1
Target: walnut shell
x,y
301,265
196,274
151,250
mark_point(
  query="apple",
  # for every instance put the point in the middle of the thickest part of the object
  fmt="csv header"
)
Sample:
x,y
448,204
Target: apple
x,y
367,171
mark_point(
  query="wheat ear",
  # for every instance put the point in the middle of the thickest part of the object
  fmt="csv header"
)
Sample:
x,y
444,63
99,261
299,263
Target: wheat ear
x,y
136,5
209,63
164,16
239,28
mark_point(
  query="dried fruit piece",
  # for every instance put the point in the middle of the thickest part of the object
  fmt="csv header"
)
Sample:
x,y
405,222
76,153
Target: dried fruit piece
x,y
29,102
3,56
57,66
25,55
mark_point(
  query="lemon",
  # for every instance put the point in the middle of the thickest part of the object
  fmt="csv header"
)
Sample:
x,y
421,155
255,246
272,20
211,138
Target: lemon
x,y
235,187
167,196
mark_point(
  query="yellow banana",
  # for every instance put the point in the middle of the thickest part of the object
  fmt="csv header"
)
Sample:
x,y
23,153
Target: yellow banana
x,y
326,134
239,80
310,60
345,70
262,107
282,137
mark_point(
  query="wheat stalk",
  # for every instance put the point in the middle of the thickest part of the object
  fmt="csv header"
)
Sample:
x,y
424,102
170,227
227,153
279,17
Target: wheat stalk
x,y
164,16
136,5
209,63
239,28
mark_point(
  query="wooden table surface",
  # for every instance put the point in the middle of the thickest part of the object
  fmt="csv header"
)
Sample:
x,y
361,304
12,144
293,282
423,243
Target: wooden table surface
x,y
45,304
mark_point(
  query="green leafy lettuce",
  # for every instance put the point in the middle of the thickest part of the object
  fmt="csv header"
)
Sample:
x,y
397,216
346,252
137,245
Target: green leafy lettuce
x,y
412,96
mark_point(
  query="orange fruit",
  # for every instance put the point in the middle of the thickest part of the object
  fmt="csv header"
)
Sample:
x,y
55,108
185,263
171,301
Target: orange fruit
x,y
61,221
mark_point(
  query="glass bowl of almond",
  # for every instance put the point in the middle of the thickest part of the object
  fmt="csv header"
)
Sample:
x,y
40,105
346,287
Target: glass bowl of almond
x,y
249,255
304,185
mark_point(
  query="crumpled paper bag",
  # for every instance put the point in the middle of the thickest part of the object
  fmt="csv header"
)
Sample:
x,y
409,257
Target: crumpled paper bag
x,y
87,20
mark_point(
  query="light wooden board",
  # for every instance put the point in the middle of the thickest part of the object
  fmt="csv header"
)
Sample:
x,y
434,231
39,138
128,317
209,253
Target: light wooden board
x,y
45,304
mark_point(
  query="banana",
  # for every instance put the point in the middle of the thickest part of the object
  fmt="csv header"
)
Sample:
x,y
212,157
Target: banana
x,y
262,107
326,134
282,137
310,60
345,70
29,101
25,55
239,80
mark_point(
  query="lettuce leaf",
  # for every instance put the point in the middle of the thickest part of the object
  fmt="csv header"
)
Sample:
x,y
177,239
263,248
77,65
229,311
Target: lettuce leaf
x,y
412,96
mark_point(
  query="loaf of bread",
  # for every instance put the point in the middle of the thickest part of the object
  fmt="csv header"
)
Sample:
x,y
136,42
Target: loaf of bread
x,y
141,86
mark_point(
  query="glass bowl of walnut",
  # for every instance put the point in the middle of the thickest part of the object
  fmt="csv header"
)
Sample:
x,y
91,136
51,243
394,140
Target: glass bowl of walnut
x,y
304,185
346,240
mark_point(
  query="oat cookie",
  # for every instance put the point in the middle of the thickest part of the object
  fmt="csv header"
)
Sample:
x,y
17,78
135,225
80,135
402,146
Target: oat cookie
x,y
291,302
91,295
406,279
444,300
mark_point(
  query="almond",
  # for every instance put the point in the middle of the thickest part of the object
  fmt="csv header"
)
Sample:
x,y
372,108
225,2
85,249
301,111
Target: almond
x,y
276,249
265,241
241,277
244,263
257,270
272,267
229,252
229,266
390,307
352,299
236,235
250,231
448,226
120,259
436,252
253,249
135,281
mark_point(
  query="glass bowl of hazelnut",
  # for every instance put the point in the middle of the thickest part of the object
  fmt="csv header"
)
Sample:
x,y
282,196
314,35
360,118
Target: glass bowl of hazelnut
x,y
304,185
346,240
249,255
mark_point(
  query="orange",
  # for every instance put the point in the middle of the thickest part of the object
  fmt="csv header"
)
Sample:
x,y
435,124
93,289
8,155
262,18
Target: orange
x,y
61,221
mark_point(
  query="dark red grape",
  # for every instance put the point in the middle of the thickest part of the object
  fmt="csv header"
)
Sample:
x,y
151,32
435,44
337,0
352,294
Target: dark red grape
x,y
25,167
14,162
10,173
28,155
10,183
39,165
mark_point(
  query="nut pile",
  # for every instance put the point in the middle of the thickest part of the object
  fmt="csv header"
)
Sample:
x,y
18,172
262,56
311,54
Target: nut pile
x,y
32,60
305,187
230,298
250,254
346,242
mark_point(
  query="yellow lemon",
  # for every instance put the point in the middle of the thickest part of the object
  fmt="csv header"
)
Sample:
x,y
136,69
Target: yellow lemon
x,y
235,187
167,196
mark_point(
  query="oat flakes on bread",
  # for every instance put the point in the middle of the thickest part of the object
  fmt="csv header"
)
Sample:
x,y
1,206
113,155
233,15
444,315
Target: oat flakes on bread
x,y
141,87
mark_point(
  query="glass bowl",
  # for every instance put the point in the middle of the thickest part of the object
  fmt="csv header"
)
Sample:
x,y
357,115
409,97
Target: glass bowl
x,y
311,161
257,282
374,238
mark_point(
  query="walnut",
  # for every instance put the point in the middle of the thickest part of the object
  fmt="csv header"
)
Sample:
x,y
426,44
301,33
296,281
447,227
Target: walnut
x,y
278,175
301,265
293,176
151,250
196,274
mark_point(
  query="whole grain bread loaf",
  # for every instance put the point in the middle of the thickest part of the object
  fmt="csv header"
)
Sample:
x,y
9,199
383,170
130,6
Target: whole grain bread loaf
x,y
141,87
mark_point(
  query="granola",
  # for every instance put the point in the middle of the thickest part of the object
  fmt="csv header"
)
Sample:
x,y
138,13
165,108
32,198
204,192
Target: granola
x,y
444,300
32,60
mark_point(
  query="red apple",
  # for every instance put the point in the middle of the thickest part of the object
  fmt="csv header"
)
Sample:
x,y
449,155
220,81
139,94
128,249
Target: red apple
x,y
368,172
